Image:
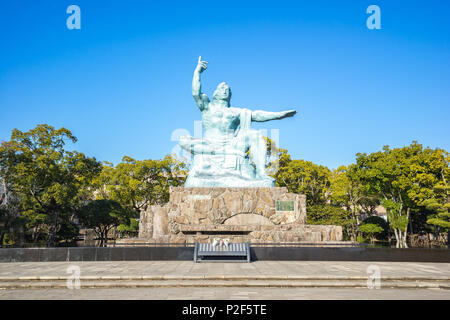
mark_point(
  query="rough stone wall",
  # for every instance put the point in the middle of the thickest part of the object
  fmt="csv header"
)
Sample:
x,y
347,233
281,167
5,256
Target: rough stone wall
x,y
213,206
241,214
146,223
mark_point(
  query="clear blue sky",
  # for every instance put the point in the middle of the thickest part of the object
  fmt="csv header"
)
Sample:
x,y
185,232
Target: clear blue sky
x,y
122,84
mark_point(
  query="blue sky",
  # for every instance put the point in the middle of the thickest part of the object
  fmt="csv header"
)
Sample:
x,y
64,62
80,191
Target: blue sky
x,y
122,84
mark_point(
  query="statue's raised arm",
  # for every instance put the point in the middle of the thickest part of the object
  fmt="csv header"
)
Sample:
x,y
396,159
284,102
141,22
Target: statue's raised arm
x,y
200,98
262,116
231,153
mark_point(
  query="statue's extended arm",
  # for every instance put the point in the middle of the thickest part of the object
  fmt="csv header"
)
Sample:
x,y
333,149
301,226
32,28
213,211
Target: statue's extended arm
x,y
261,116
200,98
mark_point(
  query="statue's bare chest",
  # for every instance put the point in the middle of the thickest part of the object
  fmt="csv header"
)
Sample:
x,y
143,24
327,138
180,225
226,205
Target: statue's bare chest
x,y
220,117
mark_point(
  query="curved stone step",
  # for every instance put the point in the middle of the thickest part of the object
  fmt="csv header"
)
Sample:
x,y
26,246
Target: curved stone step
x,y
224,278
108,282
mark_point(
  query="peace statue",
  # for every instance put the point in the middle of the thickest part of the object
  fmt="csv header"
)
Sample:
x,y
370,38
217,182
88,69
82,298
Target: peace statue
x,y
230,154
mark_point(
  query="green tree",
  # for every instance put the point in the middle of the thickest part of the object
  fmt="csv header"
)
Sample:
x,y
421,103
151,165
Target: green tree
x,y
11,221
330,215
431,189
395,175
102,216
136,184
348,190
370,230
304,177
383,224
49,180
68,232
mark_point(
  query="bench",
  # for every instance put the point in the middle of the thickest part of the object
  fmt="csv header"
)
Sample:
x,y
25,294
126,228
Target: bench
x,y
234,252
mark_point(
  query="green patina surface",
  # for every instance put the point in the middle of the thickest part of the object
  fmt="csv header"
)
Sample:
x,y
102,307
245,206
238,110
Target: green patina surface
x,y
282,205
221,158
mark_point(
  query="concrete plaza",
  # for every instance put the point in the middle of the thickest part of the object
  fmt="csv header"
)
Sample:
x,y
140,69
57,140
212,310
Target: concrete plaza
x,y
256,280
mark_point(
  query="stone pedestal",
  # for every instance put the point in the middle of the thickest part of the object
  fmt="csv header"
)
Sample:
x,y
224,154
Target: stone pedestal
x,y
242,214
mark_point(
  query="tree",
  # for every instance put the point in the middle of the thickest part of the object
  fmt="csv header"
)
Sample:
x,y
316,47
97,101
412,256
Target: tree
x,y
49,180
370,229
349,191
431,189
67,233
304,177
330,215
102,216
396,175
383,224
11,221
136,184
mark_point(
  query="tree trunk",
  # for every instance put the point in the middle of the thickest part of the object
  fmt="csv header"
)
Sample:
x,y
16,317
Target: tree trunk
x,y
33,236
405,234
22,237
397,238
402,239
389,229
101,238
52,233
404,244
106,237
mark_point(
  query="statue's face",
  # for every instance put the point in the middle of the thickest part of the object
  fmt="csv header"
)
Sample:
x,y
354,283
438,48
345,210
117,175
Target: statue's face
x,y
223,92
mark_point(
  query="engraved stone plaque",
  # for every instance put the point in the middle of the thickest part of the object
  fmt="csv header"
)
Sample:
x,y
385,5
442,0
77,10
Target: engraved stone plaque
x,y
282,205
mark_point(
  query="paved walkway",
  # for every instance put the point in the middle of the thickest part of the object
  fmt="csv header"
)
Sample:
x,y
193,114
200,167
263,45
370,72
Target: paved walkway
x,y
259,269
257,280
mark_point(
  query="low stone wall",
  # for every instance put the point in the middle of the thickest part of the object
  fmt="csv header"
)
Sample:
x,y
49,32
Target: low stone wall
x,y
183,253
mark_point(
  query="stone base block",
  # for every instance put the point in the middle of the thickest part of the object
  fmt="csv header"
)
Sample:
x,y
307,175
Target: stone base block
x,y
241,214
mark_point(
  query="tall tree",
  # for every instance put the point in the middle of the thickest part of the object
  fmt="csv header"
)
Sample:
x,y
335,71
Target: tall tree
x,y
11,221
136,184
392,173
330,215
304,177
348,190
48,179
102,216
431,188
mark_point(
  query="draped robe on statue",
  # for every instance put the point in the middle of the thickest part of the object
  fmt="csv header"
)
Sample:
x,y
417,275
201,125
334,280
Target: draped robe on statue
x,y
224,161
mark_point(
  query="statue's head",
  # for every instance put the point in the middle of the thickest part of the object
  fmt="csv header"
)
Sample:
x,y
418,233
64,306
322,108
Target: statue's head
x,y
223,92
